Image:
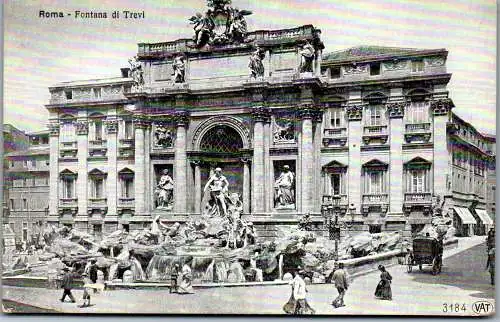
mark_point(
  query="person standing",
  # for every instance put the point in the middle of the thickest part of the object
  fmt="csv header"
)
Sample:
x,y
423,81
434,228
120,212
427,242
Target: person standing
x,y
340,280
383,290
297,304
67,285
86,290
490,264
92,274
174,276
185,285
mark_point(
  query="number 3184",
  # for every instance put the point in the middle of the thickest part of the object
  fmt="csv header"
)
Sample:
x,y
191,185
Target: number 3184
x,y
454,307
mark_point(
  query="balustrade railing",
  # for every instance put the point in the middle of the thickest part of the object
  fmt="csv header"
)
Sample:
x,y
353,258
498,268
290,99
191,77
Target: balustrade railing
x,y
341,199
417,127
126,202
420,197
375,130
335,132
375,198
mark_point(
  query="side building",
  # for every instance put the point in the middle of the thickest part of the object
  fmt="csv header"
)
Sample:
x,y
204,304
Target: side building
x,y
27,182
365,132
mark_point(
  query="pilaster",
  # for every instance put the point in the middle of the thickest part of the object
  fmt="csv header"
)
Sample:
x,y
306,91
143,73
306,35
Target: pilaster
x,y
54,169
180,164
440,110
260,115
355,130
395,109
246,185
307,159
139,158
112,179
81,186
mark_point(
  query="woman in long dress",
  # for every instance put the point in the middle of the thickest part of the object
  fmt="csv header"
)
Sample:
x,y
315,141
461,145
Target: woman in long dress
x,y
383,290
186,278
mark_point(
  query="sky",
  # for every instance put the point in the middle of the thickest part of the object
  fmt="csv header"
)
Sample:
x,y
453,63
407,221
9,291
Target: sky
x,y
40,52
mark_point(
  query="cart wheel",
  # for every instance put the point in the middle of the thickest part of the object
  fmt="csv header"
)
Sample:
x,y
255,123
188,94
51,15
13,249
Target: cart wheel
x,y
420,267
435,266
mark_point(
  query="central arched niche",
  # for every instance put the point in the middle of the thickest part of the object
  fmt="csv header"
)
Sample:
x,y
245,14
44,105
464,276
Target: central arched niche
x,y
221,139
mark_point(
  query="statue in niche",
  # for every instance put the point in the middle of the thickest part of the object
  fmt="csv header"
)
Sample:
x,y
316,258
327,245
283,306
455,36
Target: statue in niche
x,y
165,191
136,72
215,194
163,137
179,69
255,63
307,53
284,195
284,133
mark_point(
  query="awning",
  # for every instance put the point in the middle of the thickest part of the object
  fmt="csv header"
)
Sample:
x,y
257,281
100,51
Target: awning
x,y
483,215
465,215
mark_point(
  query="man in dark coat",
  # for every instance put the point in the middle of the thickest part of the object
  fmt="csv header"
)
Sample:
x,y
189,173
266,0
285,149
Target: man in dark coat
x,y
67,284
93,272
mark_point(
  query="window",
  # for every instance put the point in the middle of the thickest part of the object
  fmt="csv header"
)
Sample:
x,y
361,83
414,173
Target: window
x,y
12,204
126,227
25,231
375,229
418,112
417,178
375,69
98,231
128,129
45,140
97,188
337,117
69,94
47,162
45,181
374,115
97,92
68,133
374,178
33,163
98,130
128,188
335,72
335,180
68,186
25,203
417,66
12,163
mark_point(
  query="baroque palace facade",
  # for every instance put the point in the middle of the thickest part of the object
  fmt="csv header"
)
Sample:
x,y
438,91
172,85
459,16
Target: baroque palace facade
x,y
287,125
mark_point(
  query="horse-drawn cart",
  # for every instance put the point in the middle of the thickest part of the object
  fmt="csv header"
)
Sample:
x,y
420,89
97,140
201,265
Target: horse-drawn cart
x,y
428,251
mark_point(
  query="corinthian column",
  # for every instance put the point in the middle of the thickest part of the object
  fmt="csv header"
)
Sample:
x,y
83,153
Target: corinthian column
x,y
260,114
307,159
54,169
180,164
197,186
139,184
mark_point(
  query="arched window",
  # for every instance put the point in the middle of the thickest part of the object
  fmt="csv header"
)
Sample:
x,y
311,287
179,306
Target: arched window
x,y
222,139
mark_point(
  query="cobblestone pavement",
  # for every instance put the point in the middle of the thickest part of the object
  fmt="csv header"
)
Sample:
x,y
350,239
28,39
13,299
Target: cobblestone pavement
x,y
463,280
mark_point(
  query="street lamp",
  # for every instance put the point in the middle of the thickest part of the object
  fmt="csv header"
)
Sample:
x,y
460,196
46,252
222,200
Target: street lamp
x,y
328,210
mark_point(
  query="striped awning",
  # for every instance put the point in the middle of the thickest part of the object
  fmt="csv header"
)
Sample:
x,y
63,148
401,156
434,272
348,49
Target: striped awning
x,y
483,215
465,215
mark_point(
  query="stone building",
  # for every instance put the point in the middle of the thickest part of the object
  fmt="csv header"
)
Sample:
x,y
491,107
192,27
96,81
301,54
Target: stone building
x,y
265,115
26,179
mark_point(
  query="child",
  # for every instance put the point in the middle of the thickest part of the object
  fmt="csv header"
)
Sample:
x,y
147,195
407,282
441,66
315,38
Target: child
x,y
86,290
174,275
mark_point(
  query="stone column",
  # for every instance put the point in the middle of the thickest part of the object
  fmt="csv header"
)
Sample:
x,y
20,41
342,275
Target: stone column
x,y
54,169
111,183
139,180
246,186
440,110
180,179
307,160
268,189
318,184
197,186
354,116
148,200
258,178
396,185
82,183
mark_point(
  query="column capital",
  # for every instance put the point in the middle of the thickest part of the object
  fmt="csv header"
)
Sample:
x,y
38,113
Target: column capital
x,y
181,118
82,127
442,106
53,129
396,110
111,126
141,122
354,112
195,162
261,114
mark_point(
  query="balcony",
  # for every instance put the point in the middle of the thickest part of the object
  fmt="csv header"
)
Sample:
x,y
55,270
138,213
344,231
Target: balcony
x,y
68,202
375,202
97,201
97,144
126,143
335,137
418,133
126,202
68,149
417,201
375,134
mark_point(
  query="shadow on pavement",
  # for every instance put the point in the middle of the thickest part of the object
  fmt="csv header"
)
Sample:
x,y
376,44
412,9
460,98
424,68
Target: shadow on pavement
x,y
466,270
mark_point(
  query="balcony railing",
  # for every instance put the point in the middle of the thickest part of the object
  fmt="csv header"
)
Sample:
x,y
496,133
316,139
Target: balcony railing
x,y
68,202
127,142
335,133
417,127
418,197
65,146
97,201
126,202
375,130
341,199
97,143
375,198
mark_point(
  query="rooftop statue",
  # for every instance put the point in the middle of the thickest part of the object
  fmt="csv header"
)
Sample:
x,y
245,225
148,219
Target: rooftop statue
x,y
220,25
136,72
255,63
